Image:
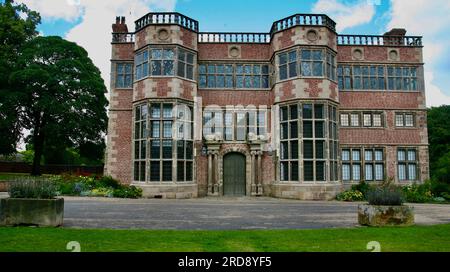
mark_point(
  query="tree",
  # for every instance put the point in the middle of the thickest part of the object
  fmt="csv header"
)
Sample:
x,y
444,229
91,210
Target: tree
x,y
439,139
18,25
61,95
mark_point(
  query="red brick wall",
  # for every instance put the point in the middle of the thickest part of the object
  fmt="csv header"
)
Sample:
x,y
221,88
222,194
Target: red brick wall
x,y
122,51
119,162
201,164
380,53
228,97
268,169
285,38
379,136
188,38
377,100
216,51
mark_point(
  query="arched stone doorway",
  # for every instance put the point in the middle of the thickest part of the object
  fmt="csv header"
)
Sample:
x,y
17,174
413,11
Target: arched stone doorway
x,y
234,174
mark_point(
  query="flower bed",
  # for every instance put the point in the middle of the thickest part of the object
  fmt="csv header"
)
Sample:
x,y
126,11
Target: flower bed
x,y
97,186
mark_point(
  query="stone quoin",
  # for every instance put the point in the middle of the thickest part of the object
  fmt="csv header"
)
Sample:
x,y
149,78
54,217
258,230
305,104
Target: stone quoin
x,y
299,112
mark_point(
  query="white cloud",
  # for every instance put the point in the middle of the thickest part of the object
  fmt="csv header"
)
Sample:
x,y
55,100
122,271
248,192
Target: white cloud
x,y
68,10
346,15
434,95
430,19
94,31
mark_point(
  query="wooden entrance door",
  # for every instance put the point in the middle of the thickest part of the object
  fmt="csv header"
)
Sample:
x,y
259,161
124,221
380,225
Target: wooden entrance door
x,y
234,174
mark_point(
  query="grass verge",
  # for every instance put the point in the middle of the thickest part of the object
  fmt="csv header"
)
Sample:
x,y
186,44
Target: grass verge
x,y
397,239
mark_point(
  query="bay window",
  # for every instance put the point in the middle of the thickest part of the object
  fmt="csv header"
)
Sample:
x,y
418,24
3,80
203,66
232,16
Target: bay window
x,y
164,61
169,140
306,63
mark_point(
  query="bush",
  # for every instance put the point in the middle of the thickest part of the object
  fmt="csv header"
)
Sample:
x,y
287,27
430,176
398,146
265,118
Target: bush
x,y
127,191
417,193
362,187
385,196
104,186
35,188
103,192
438,188
108,181
352,195
446,196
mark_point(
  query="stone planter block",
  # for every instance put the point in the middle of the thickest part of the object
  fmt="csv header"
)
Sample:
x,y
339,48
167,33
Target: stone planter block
x,y
37,212
371,215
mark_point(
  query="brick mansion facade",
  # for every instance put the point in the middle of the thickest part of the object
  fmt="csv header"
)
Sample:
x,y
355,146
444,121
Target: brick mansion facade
x,y
299,112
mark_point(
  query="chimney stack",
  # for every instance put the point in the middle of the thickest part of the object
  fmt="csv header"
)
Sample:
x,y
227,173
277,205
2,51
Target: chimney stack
x,y
120,26
396,32
395,37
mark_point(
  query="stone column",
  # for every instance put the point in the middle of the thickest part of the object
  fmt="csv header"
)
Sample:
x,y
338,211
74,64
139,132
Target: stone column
x,y
254,174
259,190
210,174
215,189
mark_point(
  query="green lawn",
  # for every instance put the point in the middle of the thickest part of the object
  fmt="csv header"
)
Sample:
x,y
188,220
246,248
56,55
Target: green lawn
x,y
417,238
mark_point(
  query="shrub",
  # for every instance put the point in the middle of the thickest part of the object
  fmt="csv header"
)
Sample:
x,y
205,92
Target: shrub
x,y
385,196
127,191
417,193
104,186
438,188
103,192
362,187
36,188
352,195
108,181
446,196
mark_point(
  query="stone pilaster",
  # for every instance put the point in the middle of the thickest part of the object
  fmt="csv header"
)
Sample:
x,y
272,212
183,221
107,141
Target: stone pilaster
x,y
259,187
213,169
254,173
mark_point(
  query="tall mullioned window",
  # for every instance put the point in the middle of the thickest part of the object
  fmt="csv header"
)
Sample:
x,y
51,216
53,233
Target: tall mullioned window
x,y
306,63
185,64
140,142
141,62
333,142
236,124
163,146
377,77
407,164
124,75
164,61
233,76
309,127
402,78
362,164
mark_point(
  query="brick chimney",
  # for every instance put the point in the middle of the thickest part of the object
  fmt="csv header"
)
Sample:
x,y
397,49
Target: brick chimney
x,y
395,37
120,26
396,32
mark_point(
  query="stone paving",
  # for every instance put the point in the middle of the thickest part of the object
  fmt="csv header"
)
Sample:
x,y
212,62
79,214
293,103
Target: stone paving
x,y
224,213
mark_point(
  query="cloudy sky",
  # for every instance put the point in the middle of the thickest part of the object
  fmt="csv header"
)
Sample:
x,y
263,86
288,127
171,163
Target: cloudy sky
x,y
88,22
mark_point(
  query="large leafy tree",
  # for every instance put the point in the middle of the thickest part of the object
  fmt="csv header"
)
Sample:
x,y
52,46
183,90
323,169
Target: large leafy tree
x,y
61,96
439,138
17,26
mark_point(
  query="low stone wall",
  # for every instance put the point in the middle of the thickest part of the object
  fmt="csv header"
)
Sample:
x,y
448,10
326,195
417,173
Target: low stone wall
x,y
305,191
376,216
37,212
179,191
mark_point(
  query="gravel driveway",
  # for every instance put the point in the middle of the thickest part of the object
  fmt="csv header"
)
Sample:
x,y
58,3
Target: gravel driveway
x,y
224,213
